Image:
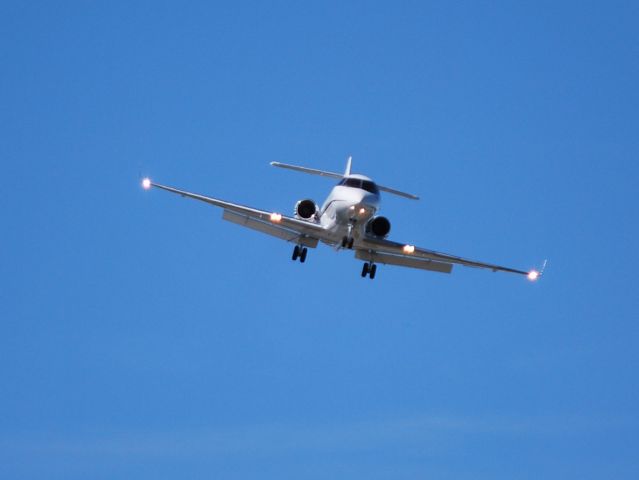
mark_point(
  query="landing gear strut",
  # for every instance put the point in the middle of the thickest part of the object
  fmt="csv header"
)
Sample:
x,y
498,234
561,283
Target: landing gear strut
x,y
299,252
369,269
347,240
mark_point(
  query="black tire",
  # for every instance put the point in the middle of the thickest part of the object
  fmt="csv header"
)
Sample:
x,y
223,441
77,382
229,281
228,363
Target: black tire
x,y
365,269
344,242
303,254
350,243
372,271
296,252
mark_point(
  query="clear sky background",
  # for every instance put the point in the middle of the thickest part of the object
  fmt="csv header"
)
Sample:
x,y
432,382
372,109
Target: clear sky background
x,y
143,337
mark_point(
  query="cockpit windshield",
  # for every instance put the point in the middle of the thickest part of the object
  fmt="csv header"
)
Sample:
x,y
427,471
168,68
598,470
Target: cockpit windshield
x,y
359,183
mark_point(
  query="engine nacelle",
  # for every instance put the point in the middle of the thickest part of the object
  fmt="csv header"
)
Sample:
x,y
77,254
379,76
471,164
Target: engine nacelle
x,y
378,226
306,209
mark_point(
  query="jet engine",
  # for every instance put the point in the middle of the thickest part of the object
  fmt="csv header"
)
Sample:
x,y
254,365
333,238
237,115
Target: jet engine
x,y
378,226
305,209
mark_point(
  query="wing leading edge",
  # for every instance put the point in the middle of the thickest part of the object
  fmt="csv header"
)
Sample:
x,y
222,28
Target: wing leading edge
x,y
271,223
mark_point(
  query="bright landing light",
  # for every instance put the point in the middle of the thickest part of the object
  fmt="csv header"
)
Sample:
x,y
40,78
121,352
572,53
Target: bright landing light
x,y
146,183
533,275
409,248
276,217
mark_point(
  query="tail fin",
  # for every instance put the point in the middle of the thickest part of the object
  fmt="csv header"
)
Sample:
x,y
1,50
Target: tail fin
x,y
349,162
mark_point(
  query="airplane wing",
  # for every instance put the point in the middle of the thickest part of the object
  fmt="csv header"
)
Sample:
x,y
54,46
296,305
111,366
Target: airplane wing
x,y
272,223
392,253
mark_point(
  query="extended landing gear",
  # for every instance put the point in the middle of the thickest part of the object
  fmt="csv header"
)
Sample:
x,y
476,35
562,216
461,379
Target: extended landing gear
x,y
347,242
369,269
299,252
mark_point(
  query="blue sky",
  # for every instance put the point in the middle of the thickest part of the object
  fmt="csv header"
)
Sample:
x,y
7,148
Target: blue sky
x,y
142,336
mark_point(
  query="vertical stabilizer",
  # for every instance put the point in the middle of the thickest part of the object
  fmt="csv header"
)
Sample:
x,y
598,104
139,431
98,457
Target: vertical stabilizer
x,y
349,162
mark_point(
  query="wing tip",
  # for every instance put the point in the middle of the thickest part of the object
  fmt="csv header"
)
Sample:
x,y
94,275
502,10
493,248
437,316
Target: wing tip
x,y
535,274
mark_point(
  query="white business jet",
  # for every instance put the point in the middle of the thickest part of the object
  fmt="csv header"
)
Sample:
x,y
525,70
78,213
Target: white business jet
x,y
347,220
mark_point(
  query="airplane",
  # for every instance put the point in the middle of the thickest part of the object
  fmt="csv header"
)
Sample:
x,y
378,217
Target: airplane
x,y
347,220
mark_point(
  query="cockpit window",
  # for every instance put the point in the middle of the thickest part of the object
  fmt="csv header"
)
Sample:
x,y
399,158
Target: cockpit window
x,y
359,183
370,186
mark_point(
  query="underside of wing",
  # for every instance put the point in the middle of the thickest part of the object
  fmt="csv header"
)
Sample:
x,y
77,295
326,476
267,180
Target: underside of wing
x,y
271,223
393,253
269,228
403,261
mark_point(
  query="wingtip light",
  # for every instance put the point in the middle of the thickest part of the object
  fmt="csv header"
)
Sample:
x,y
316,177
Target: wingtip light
x,y
533,275
146,183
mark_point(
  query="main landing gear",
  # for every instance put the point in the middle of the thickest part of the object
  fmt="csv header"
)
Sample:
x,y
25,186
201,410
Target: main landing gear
x,y
369,269
299,252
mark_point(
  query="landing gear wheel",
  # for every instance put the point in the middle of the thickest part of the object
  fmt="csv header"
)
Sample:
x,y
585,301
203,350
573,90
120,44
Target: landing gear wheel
x,y
369,269
365,269
347,242
299,252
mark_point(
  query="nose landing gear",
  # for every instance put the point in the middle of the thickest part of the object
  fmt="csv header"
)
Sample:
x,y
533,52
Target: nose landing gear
x,y
347,242
369,269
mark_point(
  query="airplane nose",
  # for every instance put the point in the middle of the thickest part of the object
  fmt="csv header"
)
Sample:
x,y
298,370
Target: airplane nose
x,y
369,199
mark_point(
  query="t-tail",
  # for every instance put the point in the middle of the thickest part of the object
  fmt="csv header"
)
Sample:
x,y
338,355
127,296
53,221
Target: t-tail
x,y
349,162
339,176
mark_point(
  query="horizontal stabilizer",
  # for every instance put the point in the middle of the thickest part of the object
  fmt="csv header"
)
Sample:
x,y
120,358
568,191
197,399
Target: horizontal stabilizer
x,y
397,192
339,176
312,171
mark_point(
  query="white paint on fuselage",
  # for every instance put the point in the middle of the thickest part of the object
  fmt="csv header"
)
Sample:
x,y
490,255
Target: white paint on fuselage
x,y
348,206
